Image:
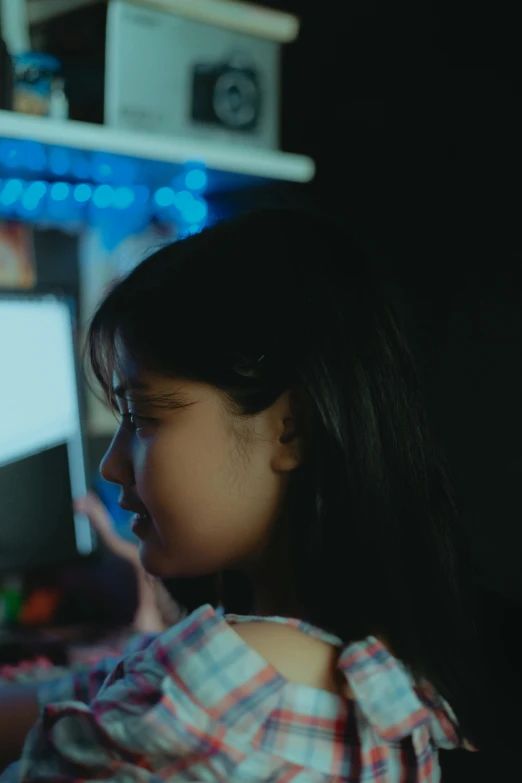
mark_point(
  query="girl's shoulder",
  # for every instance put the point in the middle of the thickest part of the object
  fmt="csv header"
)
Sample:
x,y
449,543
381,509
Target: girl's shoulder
x,y
298,656
365,672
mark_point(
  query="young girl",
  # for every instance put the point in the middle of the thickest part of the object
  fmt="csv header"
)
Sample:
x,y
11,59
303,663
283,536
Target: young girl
x,y
272,436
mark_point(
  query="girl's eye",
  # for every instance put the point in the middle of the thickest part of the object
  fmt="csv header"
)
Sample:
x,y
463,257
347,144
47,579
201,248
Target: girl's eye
x,y
138,422
133,422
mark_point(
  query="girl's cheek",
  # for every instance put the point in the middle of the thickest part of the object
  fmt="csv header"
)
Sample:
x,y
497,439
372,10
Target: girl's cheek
x,y
139,456
152,457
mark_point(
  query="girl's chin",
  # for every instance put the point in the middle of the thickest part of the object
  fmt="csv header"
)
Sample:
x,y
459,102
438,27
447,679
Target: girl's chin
x,y
161,565
155,559
152,561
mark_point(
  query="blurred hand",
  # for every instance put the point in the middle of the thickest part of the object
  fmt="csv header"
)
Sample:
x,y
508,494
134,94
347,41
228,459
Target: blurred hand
x,y
148,618
102,522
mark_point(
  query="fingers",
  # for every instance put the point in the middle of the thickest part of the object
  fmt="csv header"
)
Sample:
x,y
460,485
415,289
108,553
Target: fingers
x,y
102,522
92,507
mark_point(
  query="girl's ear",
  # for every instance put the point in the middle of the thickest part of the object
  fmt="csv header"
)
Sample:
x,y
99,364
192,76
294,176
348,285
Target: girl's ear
x,y
298,423
290,452
290,431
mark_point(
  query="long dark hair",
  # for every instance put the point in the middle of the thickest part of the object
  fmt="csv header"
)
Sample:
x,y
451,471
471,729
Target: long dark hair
x,y
277,300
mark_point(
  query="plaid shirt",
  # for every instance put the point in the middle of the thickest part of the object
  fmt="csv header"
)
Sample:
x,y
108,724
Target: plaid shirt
x,y
196,703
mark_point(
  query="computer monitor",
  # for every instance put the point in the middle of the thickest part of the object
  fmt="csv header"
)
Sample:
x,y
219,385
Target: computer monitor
x,y
41,452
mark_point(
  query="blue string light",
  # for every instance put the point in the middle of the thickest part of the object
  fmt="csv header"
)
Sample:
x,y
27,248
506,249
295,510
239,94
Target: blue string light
x,y
165,197
136,206
82,193
103,196
59,161
60,191
123,198
196,212
12,191
184,200
33,196
196,179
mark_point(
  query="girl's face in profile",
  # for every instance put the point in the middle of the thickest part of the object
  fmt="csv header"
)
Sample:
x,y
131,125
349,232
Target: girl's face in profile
x,y
207,498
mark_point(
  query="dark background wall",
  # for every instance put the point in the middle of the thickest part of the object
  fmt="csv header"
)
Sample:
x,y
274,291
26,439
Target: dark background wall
x,y
413,116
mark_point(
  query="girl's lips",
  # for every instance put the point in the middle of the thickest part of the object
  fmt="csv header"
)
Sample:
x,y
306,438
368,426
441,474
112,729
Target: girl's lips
x,y
138,508
140,525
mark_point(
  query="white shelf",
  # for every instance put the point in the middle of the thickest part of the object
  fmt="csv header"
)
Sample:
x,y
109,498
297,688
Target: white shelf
x,y
238,160
233,15
43,10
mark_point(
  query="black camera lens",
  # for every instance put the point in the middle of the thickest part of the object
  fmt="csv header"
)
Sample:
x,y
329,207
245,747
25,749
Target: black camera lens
x,y
236,99
226,95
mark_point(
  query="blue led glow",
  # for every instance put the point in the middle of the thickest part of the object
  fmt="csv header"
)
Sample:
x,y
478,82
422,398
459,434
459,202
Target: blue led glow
x,y
103,171
103,196
195,212
136,205
82,193
12,191
123,198
33,195
123,171
60,191
81,166
183,200
196,179
165,197
35,158
142,194
59,161
8,153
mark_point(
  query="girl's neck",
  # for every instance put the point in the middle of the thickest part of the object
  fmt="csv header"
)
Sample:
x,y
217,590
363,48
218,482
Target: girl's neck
x,y
273,581
279,604
275,593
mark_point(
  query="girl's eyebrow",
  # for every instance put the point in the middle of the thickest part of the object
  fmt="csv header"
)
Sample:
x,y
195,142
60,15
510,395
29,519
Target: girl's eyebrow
x,y
141,392
122,389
